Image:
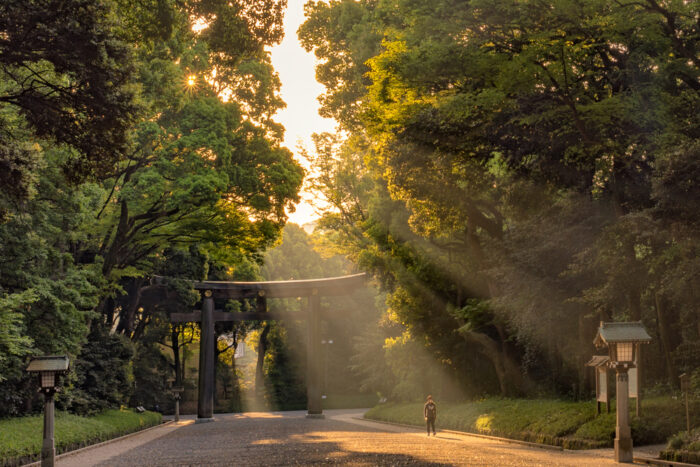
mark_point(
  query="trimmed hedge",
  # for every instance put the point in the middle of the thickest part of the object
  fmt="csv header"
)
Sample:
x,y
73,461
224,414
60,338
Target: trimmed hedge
x,y
21,438
572,425
689,457
684,447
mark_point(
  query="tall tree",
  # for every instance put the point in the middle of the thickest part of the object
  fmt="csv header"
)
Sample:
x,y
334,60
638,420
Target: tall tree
x,y
522,142
206,167
113,160
66,71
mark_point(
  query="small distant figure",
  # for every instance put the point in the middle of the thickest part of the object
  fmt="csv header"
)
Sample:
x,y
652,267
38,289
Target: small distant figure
x,y
430,414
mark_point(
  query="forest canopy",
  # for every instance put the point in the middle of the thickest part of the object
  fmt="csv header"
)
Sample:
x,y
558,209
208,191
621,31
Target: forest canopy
x,y
131,145
515,172
510,172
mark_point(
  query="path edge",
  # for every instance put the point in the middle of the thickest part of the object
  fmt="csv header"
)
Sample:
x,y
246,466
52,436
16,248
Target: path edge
x,y
476,435
101,443
637,459
662,462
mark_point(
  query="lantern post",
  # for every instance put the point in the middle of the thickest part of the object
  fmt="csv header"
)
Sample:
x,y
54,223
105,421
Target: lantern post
x,y
48,368
622,341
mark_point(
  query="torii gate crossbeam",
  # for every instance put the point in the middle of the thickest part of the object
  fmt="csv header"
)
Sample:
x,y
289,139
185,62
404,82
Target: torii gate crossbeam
x,y
313,289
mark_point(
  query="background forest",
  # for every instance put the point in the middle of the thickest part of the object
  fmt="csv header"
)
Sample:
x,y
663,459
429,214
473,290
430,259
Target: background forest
x,y
131,145
513,172
510,173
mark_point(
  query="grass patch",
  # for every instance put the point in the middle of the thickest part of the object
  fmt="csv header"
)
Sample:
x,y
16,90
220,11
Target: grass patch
x,y
21,438
660,419
572,425
683,447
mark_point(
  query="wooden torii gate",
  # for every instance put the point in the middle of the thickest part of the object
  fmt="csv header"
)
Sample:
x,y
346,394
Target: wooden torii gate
x,y
211,291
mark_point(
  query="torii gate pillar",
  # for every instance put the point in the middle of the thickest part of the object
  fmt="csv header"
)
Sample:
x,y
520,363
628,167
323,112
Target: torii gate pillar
x,y
207,360
261,291
313,360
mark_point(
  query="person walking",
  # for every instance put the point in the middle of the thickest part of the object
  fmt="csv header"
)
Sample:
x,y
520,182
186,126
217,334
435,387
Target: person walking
x,y
430,414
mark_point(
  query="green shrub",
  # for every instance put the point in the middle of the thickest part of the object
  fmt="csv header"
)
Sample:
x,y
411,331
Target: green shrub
x,y
21,438
677,441
543,421
102,372
600,429
683,447
689,457
572,425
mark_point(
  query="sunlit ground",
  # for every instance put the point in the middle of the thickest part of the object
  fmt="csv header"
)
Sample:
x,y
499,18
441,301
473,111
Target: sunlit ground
x,y
255,415
288,438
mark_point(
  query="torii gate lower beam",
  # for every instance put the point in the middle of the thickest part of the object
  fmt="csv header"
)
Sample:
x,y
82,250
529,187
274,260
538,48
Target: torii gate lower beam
x,y
313,289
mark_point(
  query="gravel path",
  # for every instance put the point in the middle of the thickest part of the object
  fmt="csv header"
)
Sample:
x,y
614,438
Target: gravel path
x,y
288,438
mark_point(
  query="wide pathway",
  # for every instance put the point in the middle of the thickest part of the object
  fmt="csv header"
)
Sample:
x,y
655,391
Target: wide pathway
x,y
288,438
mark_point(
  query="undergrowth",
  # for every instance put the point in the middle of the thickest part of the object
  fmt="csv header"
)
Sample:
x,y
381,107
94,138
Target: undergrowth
x,y
21,438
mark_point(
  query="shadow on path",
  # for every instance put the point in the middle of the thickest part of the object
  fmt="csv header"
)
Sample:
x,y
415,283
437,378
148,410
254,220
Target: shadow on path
x,y
289,438
272,439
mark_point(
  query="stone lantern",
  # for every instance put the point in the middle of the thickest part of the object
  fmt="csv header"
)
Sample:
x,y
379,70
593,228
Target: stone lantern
x,y
48,368
622,341
176,391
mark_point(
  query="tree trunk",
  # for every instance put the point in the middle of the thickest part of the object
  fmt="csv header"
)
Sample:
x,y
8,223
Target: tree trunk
x,y
111,257
175,340
501,335
183,375
235,382
135,291
664,333
108,310
262,349
217,352
583,343
635,302
506,371
185,354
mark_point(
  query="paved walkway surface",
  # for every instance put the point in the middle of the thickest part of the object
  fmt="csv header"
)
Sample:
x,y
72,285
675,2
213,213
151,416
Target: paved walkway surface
x,y
288,438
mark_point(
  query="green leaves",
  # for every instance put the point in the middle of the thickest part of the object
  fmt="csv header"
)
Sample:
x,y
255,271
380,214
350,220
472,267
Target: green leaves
x,y
13,342
68,72
520,155
171,164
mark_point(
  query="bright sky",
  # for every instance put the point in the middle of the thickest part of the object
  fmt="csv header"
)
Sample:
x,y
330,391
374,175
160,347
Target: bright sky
x,y
299,91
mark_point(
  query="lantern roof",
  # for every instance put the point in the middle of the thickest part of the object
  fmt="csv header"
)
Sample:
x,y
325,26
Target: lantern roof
x,y
612,333
49,363
598,360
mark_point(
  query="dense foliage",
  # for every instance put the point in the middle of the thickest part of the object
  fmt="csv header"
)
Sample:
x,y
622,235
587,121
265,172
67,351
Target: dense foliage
x,y
515,172
512,172
66,76
22,436
683,447
139,142
572,425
